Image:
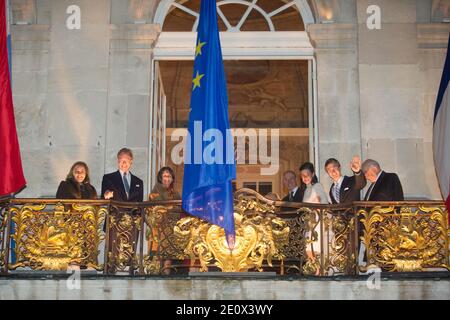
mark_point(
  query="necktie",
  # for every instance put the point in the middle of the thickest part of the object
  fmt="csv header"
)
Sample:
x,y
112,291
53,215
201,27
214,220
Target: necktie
x,y
291,196
125,184
366,198
337,193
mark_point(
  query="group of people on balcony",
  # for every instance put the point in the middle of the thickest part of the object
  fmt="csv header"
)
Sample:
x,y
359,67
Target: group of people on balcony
x,y
120,185
384,186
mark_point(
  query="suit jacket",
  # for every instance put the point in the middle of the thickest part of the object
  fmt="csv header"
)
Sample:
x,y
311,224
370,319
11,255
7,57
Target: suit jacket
x,y
113,182
350,189
69,189
386,188
298,195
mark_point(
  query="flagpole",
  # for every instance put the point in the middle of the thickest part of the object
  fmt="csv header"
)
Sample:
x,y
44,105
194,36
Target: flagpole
x,y
207,183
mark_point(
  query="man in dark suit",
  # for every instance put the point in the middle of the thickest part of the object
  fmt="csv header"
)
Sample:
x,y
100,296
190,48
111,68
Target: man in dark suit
x,y
384,186
123,186
345,189
290,181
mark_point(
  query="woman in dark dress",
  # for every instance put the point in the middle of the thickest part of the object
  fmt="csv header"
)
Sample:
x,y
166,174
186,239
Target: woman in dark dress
x,y
77,184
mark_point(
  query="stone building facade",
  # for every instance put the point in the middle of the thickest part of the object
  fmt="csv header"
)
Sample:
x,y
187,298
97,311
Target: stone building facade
x,y
82,94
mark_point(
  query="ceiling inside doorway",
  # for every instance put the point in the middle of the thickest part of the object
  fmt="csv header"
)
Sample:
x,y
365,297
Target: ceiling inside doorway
x,y
261,93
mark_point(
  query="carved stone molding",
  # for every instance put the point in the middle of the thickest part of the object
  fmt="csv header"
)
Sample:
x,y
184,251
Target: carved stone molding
x,y
30,38
333,36
432,36
127,37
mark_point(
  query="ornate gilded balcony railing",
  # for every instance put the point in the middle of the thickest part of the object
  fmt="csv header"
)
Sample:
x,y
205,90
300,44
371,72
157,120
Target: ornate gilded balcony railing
x,y
261,237
404,236
4,203
124,231
53,234
159,238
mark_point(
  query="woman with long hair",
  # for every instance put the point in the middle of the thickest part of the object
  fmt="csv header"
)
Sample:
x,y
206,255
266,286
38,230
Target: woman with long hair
x,y
77,184
313,192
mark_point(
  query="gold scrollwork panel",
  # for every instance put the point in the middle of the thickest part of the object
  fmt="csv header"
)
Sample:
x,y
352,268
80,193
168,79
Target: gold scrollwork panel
x,y
338,245
255,242
160,222
123,236
260,236
3,224
406,239
302,234
51,239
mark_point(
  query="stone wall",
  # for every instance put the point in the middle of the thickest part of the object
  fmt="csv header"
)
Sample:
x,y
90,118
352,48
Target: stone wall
x,y
79,94
83,94
377,89
30,57
399,72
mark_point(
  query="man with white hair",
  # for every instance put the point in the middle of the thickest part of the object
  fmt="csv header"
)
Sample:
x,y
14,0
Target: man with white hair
x,y
384,186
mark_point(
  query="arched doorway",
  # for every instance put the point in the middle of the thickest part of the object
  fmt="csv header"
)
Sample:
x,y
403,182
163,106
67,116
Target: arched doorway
x,y
270,67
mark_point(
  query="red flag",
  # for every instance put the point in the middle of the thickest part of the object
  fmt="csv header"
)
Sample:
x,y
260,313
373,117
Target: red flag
x,y
11,173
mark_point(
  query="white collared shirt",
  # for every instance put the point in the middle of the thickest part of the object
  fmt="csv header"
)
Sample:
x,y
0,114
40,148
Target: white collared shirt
x,y
293,191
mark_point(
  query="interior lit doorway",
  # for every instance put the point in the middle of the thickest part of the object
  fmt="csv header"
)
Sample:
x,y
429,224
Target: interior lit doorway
x,y
270,68
268,99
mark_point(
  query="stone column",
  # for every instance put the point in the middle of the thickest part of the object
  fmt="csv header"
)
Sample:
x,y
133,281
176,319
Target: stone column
x,y
130,84
338,94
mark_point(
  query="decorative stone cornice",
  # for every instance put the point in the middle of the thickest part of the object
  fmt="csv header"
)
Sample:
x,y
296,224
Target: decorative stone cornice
x,y
249,44
333,36
30,37
432,35
126,37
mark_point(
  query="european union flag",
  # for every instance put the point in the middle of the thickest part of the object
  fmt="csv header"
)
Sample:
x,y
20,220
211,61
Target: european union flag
x,y
209,165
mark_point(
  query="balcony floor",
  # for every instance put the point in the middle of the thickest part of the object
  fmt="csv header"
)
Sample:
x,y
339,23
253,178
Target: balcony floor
x,y
55,286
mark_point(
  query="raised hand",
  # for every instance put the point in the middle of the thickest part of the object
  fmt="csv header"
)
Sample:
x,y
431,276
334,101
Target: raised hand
x,y
355,164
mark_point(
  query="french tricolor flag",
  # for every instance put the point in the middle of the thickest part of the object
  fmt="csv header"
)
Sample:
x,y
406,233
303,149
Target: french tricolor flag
x,y
441,132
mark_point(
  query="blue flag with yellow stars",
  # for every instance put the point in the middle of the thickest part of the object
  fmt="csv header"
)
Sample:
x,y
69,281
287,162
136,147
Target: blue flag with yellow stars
x,y
209,160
